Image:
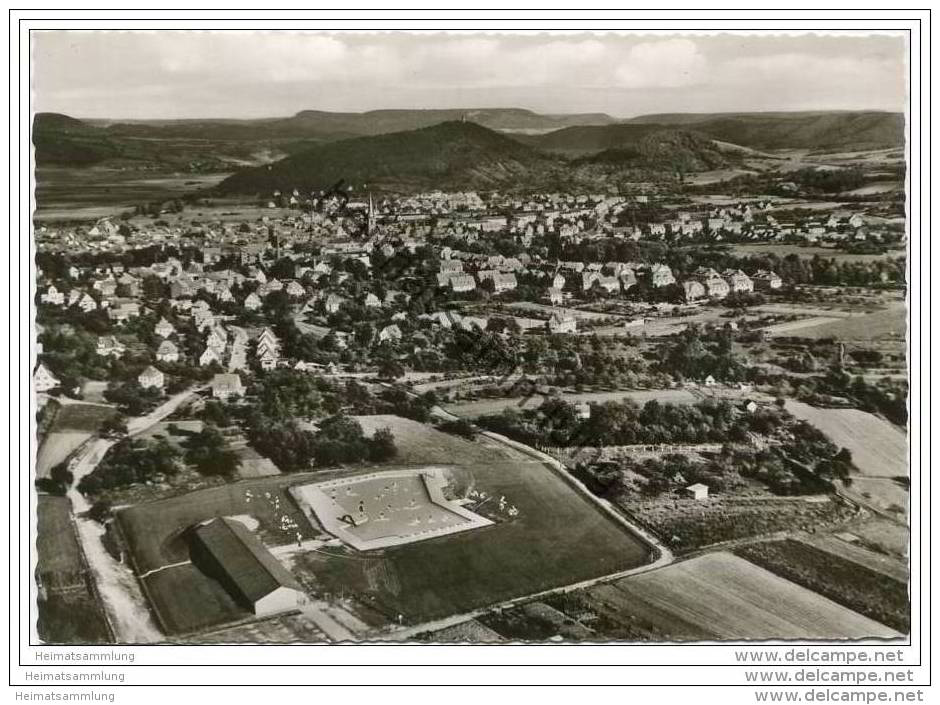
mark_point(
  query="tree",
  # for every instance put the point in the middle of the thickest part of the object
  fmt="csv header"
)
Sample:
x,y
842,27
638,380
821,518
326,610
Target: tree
x,y
207,451
459,427
382,446
100,511
288,446
61,474
50,486
113,426
390,369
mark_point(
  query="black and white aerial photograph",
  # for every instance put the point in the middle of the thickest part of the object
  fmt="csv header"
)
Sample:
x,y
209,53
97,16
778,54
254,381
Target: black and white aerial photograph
x,y
472,338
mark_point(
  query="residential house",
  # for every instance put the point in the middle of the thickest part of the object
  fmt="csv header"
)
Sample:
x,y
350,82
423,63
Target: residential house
x,y
53,296
164,328
295,290
716,287
738,281
661,275
504,282
124,311
765,280
562,323
151,378
252,302
87,303
43,379
460,283
609,285
168,352
390,333
109,346
333,303
693,290
627,279
210,355
450,266
224,386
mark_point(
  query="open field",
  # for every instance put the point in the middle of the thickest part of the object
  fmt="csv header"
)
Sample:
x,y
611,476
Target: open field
x,y
853,550
791,328
883,494
64,193
838,578
156,535
68,610
557,538
727,597
808,251
154,531
56,447
834,312
73,425
185,428
879,449
688,524
547,311
884,536
60,557
472,631
420,444
82,417
887,324
661,326
485,407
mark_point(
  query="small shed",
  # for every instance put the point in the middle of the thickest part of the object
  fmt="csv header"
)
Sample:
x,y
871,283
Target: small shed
x,y
698,491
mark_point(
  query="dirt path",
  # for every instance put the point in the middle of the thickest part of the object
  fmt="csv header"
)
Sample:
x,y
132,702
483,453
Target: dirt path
x,y
124,603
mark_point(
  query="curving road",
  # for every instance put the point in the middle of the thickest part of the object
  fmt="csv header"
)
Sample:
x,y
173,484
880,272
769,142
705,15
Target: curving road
x,y
124,604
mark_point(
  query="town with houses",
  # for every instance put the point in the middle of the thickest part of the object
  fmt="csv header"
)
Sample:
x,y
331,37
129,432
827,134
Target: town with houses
x,y
466,375
220,389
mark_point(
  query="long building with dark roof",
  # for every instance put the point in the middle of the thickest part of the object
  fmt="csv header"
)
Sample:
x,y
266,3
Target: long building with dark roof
x,y
228,551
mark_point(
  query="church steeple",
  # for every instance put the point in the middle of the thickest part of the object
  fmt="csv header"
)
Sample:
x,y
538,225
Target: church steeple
x,y
371,225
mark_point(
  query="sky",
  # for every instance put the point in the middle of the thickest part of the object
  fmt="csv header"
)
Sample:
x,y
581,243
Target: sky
x,y
162,75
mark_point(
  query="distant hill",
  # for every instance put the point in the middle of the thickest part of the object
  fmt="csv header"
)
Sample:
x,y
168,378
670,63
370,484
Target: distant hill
x,y
60,139
586,140
854,130
455,155
325,125
666,150
500,119
762,131
216,144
